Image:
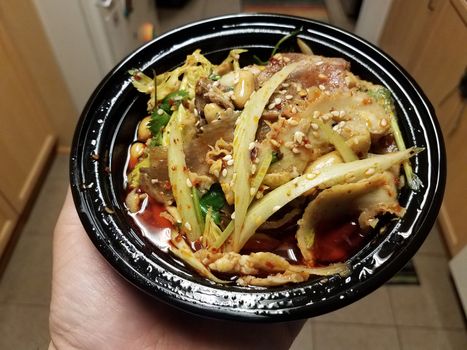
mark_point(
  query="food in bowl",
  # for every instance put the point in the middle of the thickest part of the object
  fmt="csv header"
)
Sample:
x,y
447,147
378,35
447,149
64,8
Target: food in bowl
x,y
265,174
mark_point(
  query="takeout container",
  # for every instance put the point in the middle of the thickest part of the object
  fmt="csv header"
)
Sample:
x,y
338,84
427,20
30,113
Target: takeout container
x,y
107,126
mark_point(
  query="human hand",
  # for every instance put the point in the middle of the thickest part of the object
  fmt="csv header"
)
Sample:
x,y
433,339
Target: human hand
x,y
93,307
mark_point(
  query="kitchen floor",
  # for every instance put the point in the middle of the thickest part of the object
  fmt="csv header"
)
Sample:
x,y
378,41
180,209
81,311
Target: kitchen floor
x,y
426,316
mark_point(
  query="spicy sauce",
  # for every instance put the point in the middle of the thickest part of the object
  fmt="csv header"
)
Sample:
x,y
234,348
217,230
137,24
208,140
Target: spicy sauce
x,y
336,242
154,227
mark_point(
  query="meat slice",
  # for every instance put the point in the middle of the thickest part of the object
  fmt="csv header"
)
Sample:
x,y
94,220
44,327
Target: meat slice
x,y
196,150
364,199
207,92
277,279
314,70
155,178
253,264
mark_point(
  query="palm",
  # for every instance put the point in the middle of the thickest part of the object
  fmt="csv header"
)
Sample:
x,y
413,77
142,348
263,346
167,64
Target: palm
x,y
94,308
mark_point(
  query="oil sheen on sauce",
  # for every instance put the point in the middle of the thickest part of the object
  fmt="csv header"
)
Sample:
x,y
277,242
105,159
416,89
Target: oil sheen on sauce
x,y
154,228
334,242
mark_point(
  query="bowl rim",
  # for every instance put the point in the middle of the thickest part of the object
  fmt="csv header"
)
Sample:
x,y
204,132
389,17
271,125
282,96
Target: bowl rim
x,y
247,304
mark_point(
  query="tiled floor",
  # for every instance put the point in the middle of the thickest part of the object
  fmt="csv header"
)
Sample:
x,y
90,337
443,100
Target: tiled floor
x,y
425,317
25,284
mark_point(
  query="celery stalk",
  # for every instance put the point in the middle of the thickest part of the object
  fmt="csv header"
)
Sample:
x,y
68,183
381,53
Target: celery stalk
x,y
244,134
336,140
327,177
178,175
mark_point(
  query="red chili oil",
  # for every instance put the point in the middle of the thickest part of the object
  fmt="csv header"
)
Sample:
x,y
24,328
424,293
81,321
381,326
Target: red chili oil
x,y
338,241
154,227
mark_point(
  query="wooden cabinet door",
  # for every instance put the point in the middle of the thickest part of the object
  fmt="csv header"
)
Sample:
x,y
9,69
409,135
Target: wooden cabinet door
x,y
404,29
26,137
8,218
435,53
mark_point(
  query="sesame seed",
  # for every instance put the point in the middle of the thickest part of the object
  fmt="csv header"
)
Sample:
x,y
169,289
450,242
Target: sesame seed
x,y
383,122
308,146
252,191
370,171
285,84
230,162
232,216
319,63
316,172
160,111
341,113
335,113
325,116
321,87
289,144
108,210
310,176
288,97
286,59
322,76
275,143
302,93
294,109
188,183
253,169
227,157
314,126
188,226
251,146
282,92
315,134
154,181
292,122
224,172
271,105
316,114
276,208
298,136
277,100
295,150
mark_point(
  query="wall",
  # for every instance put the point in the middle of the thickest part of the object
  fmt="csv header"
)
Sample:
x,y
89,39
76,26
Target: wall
x,y
68,35
372,19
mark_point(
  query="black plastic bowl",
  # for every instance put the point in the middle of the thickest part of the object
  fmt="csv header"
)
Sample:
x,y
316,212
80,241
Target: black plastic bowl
x,y
107,125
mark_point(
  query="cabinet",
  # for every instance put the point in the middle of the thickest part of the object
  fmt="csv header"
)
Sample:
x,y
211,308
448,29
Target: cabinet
x,y
429,38
27,139
8,219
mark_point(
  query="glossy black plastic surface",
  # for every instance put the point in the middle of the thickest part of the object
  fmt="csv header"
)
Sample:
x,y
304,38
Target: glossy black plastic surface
x,y
107,125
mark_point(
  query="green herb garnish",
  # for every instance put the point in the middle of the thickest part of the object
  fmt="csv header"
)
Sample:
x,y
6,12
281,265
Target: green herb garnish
x,y
161,116
215,200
